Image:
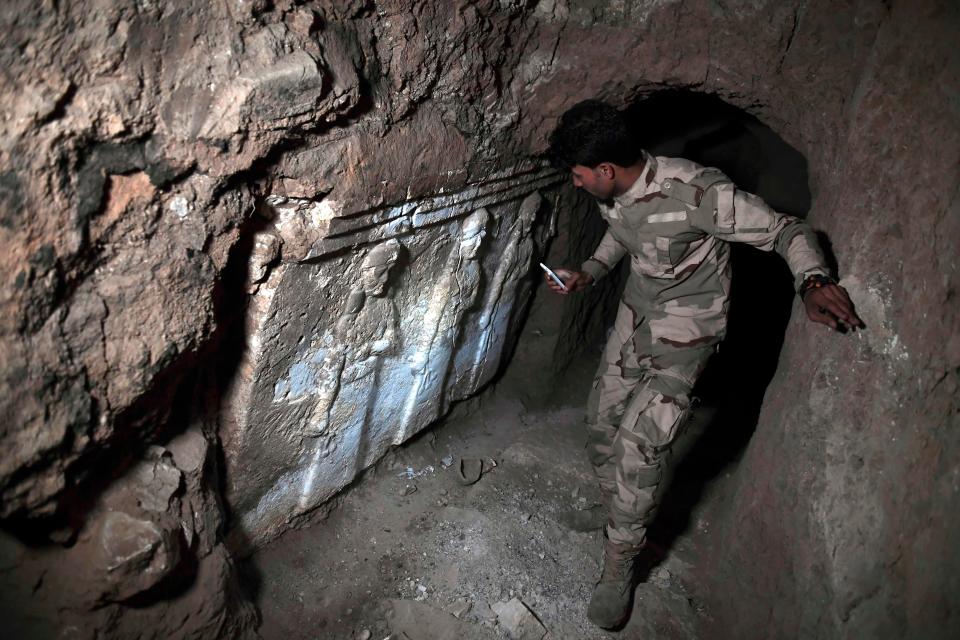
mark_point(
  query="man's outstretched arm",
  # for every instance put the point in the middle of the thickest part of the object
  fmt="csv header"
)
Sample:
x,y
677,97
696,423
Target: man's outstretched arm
x,y
743,217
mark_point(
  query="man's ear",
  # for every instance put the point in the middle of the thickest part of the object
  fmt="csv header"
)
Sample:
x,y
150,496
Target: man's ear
x,y
606,170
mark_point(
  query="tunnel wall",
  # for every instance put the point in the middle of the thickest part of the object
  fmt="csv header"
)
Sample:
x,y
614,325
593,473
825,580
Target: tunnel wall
x,y
845,500
149,151
841,516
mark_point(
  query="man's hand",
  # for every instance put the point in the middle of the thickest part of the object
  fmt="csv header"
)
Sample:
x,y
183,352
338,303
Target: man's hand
x,y
575,281
830,305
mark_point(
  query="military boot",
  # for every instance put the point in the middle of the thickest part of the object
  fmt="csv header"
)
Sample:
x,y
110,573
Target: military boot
x,y
613,596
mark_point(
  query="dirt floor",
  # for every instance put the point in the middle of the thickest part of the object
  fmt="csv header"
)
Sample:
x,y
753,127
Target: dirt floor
x,y
412,554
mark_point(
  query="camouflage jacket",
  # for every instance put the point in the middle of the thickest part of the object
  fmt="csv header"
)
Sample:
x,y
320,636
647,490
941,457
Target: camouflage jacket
x,y
675,222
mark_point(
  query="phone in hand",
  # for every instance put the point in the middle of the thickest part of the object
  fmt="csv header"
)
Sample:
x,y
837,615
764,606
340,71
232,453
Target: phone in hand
x,y
553,276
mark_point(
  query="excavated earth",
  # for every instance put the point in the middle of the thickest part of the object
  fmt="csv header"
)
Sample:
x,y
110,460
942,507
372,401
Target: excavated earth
x,y
412,553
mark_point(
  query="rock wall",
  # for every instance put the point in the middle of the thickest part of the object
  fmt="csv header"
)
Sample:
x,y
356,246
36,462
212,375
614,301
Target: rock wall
x,y
181,182
845,502
147,562
164,169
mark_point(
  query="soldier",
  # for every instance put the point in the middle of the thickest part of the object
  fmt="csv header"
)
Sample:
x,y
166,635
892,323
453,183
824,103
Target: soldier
x,y
674,219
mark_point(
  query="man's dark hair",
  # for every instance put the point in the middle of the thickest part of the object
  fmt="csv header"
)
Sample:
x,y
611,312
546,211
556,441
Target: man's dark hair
x,y
591,132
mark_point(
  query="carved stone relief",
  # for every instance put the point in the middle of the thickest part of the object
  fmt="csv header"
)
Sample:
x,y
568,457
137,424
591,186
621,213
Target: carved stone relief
x,y
363,339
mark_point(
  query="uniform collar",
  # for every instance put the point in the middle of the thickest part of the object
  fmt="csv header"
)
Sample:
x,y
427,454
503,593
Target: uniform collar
x,y
642,185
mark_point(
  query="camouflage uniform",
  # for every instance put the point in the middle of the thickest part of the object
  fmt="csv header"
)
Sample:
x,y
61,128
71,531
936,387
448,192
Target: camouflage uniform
x,y
674,222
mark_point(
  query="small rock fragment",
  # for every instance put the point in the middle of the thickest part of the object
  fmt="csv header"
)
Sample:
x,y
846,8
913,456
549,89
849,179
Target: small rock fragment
x,y
518,620
421,593
483,611
459,608
135,554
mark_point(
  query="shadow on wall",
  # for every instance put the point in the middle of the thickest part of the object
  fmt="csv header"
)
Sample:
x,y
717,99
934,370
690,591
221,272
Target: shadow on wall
x,y
587,317
708,131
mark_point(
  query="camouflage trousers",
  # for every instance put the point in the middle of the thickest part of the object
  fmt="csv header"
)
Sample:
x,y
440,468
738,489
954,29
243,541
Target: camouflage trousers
x,y
639,402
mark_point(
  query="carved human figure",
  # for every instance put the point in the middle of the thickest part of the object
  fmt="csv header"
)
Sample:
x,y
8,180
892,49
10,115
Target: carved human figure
x,y
453,294
365,331
501,296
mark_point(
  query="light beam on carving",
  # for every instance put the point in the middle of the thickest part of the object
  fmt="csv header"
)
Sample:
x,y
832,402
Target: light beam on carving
x,y
501,296
450,298
421,361
310,479
365,331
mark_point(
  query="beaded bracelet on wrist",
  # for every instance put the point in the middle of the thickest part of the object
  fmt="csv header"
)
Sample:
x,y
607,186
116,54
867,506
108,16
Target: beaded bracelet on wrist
x,y
815,281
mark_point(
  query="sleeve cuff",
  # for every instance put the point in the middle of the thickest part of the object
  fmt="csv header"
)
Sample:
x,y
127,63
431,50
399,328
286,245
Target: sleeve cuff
x,y
595,268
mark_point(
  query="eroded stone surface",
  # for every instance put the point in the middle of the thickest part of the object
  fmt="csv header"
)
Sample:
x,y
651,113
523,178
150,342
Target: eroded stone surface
x,y
139,140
